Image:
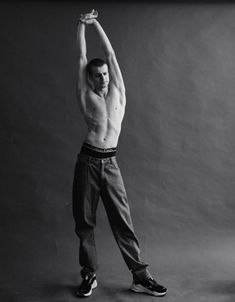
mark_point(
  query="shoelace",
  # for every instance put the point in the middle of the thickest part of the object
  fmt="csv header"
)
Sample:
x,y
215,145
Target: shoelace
x,y
152,282
88,279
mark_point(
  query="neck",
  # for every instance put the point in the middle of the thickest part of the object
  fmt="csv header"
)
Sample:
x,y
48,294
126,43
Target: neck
x,y
102,92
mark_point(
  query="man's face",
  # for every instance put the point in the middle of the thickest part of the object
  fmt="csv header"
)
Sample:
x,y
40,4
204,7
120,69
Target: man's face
x,y
100,77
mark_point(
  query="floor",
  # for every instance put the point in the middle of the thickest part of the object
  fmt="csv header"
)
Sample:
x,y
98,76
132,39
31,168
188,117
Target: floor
x,y
199,270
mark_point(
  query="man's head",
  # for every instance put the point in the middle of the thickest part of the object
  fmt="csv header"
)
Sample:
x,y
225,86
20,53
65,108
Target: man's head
x,y
98,74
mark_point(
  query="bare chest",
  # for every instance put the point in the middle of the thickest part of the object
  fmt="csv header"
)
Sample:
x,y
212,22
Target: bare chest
x,y
101,110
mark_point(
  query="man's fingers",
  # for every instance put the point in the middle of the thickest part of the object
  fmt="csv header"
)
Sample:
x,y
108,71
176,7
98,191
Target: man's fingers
x,y
95,13
92,15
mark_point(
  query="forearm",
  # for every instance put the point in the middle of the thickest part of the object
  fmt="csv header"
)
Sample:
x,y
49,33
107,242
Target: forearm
x,y
81,41
106,45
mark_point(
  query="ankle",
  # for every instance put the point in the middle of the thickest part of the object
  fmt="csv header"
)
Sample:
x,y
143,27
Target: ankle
x,y
142,274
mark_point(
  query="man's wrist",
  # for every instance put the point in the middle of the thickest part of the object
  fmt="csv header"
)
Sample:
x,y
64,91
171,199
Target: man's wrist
x,y
80,22
96,23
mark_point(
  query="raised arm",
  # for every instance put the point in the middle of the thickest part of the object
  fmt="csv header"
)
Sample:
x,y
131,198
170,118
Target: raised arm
x,y
82,62
115,72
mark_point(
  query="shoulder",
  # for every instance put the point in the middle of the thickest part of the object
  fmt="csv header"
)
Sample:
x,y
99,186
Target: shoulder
x,y
90,97
90,94
85,92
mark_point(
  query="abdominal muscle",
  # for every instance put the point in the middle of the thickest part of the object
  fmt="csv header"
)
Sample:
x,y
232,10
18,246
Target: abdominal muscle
x,y
103,133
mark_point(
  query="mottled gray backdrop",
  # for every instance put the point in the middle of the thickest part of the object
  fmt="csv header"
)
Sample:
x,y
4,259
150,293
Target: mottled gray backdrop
x,y
176,149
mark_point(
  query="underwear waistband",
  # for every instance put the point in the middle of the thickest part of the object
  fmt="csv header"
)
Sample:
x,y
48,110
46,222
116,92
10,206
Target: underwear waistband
x,y
97,152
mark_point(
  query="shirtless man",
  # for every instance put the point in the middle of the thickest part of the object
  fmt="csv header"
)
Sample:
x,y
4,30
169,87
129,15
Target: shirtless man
x,y
101,94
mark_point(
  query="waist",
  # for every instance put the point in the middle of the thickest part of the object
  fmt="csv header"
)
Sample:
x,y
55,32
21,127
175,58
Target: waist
x,y
97,152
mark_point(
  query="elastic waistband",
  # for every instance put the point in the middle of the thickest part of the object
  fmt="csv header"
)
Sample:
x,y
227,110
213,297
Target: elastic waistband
x,y
97,152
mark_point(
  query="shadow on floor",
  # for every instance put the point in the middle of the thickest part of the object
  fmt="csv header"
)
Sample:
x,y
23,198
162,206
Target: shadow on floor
x,y
224,288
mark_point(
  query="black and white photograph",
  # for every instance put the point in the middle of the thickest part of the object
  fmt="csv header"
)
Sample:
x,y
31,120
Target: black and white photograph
x,y
117,151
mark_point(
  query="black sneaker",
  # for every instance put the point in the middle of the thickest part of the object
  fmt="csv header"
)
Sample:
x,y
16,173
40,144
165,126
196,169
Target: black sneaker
x,y
87,285
148,286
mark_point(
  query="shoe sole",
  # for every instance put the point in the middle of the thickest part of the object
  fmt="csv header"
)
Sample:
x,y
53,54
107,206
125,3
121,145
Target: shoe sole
x,y
94,285
141,289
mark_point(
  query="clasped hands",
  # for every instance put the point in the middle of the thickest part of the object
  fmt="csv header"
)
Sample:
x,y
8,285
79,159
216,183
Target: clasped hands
x,y
89,17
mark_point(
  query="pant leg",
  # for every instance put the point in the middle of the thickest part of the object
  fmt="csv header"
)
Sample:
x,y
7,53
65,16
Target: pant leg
x,y
86,193
115,201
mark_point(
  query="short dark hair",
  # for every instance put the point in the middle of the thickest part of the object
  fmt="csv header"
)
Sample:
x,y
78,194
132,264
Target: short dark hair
x,y
94,63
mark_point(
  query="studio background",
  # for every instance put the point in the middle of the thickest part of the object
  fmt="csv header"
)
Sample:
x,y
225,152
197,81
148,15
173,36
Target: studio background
x,y
176,149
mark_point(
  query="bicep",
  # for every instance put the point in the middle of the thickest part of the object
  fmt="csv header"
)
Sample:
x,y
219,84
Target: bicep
x,y
81,74
81,85
115,72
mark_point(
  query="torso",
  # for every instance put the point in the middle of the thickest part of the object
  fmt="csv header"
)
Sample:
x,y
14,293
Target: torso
x,y
104,118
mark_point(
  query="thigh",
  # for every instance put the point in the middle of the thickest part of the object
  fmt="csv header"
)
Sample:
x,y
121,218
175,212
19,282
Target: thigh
x,y
114,181
85,188
114,195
